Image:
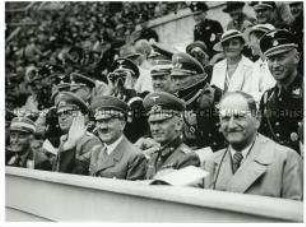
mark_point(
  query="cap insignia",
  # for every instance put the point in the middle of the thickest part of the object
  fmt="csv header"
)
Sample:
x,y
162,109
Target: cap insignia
x,y
275,43
156,108
155,98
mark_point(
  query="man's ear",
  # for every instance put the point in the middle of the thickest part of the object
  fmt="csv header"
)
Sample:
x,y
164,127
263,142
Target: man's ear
x,y
179,124
257,119
296,56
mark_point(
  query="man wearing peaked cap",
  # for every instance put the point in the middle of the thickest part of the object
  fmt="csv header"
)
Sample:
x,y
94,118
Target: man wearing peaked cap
x,y
82,86
282,106
165,150
186,71
73,155
239,20
22,131
191,85
117,157
264,12
160,74
205,30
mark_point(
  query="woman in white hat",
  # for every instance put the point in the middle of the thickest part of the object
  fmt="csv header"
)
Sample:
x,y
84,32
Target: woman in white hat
x,y
235,72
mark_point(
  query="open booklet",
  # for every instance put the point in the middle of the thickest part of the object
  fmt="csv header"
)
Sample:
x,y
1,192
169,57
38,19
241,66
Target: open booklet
x,y
187,176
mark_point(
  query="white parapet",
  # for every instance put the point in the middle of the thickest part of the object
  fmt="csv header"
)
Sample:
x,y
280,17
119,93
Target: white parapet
x,y
33,195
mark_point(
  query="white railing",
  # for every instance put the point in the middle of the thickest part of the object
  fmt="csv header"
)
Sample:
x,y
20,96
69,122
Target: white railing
x,y
33,195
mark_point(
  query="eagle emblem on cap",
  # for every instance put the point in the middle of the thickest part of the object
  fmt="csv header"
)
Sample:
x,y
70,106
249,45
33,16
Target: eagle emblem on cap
x,y
156,108
275,43
154,98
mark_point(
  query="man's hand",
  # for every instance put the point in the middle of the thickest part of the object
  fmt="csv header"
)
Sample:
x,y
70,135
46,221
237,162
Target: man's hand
x,y
148,146
76,131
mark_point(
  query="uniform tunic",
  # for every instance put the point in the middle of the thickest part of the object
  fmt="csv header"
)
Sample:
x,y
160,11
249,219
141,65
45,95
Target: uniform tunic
x,y
282,112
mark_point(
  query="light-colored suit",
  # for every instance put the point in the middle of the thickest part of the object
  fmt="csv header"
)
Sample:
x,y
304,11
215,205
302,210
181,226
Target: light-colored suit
x,y
125,162
270,169
241,80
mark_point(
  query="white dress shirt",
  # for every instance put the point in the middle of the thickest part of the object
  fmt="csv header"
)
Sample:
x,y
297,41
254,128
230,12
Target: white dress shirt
x,y
111,147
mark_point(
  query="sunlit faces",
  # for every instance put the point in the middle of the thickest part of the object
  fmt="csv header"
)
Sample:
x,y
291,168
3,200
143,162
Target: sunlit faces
x,y
161,82
110,128
65,117
233,47
283,65
165,130
237,123
264,15
20,141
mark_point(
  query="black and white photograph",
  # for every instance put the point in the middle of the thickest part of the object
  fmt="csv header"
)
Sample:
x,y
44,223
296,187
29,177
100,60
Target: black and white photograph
x,y
153,111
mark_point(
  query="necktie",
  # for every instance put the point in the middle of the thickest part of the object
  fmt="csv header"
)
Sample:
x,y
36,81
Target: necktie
x,y
237,158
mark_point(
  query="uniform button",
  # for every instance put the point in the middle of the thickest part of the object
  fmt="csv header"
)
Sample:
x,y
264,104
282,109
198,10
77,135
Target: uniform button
x,y
280,99
209,134
277,134
214,143
277,123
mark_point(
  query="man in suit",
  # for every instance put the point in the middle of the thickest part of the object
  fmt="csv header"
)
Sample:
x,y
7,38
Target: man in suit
x,y
117,157
166,150
252,163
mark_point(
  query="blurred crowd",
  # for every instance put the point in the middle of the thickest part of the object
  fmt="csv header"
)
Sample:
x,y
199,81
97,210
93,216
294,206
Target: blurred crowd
x,y
91,80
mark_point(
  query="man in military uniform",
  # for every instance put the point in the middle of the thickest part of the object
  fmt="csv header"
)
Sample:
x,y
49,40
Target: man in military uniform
x,y
206,30
74,151
160,74
19,150
201,118
282,105
117,157
239,20
166,150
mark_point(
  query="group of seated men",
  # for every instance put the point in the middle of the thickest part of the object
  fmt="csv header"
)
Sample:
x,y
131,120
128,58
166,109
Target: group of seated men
x,y
224,118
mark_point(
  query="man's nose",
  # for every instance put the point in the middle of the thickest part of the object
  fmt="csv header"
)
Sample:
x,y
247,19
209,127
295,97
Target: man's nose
x,y
231,122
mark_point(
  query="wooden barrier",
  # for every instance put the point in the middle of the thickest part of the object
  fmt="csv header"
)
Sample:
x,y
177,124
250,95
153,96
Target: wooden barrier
x,y
33,195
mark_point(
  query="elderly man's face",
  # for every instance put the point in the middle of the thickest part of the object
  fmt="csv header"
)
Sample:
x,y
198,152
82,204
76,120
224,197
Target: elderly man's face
x,y
283,65
264,15
110,129
238,125
166,130
20,141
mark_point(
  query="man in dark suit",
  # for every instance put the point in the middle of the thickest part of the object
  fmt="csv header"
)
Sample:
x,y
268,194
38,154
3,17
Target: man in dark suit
x,y
117,157
252,163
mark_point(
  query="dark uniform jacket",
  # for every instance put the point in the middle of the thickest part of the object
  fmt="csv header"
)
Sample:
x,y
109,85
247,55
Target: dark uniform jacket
x,y
209,32
76,160
282,112
201,119
175,155
125,162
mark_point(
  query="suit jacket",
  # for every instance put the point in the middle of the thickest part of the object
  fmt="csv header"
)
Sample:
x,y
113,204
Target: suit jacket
x,y
270,169
176,155
125,162
242,79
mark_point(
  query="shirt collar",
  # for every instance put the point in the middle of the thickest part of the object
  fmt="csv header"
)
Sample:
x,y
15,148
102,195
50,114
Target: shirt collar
x,y
244,152
111,147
